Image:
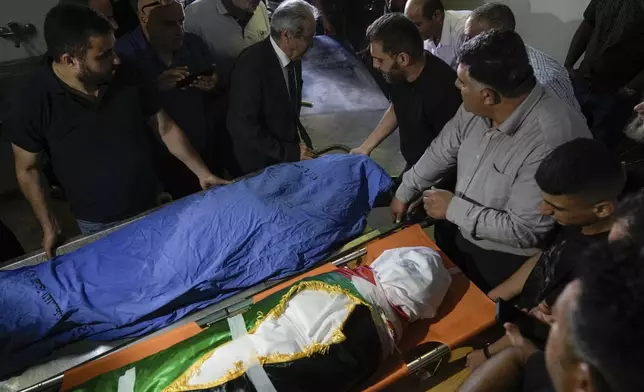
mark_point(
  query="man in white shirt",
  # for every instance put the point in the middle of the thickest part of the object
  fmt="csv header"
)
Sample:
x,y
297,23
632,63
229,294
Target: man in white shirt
x,y
442,31
228,27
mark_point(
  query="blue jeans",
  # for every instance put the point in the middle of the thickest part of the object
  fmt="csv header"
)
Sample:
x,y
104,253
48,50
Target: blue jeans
x,y
87,228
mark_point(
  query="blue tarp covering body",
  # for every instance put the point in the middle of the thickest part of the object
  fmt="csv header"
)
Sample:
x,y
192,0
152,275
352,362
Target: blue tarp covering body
x,y
186,256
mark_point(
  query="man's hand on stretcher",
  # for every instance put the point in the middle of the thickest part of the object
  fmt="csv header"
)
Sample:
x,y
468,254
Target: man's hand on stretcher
x,y
434,201
306,153
210,180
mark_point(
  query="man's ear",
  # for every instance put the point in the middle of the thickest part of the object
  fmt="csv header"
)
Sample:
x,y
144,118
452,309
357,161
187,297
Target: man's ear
x,y
583,378
604,209
438,16
403,59
67,60
490,97
286,35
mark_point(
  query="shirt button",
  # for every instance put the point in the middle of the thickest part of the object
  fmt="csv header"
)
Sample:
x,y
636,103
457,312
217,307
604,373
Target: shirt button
x,y
478,157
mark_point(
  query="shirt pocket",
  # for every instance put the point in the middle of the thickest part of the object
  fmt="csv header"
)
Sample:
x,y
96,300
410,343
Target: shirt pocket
x,y
497,188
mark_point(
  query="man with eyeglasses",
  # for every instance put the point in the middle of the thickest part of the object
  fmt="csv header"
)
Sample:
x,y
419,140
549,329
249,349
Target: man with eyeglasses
x,y
168,57
266,92
507,125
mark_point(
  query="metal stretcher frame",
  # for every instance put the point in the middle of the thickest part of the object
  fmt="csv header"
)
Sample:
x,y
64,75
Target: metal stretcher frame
x,y
465,312
78,242
62,360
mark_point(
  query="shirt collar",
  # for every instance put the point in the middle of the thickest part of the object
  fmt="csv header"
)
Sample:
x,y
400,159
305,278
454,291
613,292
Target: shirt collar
x,y
516,119
221,7
138,38
52,82
283,58
57,86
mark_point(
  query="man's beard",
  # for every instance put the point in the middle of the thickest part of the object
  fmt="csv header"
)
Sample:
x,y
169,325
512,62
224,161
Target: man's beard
x,y
91,78
394,75
635,130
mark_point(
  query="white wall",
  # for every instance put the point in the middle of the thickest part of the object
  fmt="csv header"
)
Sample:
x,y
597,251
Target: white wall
x,y
547,25
24,11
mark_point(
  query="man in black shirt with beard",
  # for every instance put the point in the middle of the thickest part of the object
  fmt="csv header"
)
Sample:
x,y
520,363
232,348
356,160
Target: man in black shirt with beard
x,y
423,95
88,112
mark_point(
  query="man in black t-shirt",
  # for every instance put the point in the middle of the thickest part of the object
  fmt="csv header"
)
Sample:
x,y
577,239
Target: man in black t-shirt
x,y
595,342
423,94
580,182
87,111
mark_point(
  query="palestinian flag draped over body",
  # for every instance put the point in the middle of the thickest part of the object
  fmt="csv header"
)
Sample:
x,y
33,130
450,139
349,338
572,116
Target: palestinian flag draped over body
x,y
317,335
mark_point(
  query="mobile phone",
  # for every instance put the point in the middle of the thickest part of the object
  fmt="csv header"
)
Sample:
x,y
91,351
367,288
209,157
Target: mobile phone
x,y
531,328
194,75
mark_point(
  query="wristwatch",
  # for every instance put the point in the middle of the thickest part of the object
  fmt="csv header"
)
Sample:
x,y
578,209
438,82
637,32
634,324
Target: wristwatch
x,y
486,351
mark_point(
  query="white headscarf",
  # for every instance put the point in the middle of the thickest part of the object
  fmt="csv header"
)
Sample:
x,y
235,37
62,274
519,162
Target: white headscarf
x,y
413,279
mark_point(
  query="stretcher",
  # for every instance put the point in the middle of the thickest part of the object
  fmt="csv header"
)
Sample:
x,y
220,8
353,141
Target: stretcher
x,y
464,313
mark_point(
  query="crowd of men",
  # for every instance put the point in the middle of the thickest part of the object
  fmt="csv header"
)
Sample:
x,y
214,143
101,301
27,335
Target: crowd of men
x,y
507,149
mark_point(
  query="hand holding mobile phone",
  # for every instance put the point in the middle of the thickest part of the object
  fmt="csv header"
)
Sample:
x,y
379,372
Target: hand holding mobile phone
x,y
530,327
194,75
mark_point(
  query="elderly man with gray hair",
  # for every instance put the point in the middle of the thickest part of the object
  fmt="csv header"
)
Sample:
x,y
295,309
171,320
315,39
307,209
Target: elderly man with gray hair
x,y
266,92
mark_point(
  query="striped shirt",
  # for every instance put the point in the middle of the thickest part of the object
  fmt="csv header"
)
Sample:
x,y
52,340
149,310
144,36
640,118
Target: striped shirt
x,y
553,76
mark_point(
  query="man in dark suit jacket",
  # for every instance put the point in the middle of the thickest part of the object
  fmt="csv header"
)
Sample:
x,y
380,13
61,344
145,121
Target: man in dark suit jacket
x,y
266,92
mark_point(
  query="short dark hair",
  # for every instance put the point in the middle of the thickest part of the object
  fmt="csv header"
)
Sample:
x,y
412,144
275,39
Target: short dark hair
x,y
584,168
631,211
608,319
398,35
498,59
431,6
495,16
68,29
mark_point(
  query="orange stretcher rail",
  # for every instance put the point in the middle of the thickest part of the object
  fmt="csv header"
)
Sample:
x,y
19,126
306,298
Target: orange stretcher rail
x,y
464,313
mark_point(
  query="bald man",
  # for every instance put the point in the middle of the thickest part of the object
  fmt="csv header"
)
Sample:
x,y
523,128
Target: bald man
x,y
168,56
441,30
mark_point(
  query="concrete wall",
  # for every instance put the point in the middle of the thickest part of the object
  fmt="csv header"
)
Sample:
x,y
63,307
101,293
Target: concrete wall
x,y
547,25
15,65
23,11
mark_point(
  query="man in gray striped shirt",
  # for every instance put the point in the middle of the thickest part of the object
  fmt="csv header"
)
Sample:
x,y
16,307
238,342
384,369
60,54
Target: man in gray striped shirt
x,y
547,70
508,123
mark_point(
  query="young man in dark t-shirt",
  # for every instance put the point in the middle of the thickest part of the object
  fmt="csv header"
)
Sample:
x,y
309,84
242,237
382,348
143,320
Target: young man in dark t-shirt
x,y
423,94
580,182
595,340
88,112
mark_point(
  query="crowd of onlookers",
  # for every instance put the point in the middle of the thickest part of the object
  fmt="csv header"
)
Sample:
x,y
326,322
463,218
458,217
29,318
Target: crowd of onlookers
x,y
497,137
